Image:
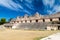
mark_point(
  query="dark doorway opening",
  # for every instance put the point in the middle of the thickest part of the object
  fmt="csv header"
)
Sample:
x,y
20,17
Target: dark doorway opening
x,y
17,21
59,19
36,20
43,20
30,21
50,19
14,21
25,21
58,27
21,21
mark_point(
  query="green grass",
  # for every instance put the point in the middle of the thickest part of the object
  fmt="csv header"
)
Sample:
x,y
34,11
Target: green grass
x,y
38,38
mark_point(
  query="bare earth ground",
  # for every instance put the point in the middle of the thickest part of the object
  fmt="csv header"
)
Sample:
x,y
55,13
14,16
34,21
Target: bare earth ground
x,y
23,35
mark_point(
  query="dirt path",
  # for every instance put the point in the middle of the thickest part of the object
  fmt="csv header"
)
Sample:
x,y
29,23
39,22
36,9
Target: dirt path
x,y
22,35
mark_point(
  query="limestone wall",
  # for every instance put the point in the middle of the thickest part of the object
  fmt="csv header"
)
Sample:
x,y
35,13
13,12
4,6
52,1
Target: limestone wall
x,y
33,26
47,20
55,19
23,22
19,21
33,21
52,28
40,20
28,21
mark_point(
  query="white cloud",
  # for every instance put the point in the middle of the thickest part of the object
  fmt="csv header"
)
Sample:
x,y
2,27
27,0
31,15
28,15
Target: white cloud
x,y
51,3
48,2
56,8
49,11
27,12
10,4
29,1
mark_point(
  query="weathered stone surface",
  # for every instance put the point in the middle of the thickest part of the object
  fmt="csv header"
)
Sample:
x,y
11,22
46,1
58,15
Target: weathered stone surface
x,y
36,21
52,37
36,26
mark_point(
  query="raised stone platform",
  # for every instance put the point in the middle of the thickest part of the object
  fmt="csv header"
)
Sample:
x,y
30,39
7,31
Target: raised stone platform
x,y
33,26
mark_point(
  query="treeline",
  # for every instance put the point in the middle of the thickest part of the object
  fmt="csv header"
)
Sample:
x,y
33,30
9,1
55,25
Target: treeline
x,y
3,20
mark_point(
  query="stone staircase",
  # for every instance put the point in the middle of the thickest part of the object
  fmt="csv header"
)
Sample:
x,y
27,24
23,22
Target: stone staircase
x,y
32,26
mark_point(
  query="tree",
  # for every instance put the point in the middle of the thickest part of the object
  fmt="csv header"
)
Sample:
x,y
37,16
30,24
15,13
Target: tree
x,y
2,21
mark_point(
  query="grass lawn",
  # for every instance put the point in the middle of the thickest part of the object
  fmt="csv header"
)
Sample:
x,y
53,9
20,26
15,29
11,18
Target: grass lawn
x,y
24,34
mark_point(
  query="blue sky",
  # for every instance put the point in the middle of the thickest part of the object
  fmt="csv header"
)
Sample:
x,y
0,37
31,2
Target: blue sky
x,y
13,8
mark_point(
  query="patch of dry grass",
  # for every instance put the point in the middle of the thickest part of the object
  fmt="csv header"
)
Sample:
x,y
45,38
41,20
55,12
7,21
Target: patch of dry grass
x,y
23,35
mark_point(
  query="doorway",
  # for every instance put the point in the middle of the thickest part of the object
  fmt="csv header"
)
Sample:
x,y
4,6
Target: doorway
x,y
58,27
36,20
59,19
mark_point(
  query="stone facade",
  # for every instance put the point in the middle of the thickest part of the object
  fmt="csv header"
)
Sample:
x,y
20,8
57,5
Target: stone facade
x,y
47,20
37,19
52,28
55,19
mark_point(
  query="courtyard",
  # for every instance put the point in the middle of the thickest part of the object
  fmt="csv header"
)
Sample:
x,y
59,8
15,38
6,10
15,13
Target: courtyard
x,y
9,34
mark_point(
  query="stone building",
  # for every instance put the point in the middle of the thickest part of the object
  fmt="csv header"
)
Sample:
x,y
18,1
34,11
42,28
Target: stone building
x,y
36,22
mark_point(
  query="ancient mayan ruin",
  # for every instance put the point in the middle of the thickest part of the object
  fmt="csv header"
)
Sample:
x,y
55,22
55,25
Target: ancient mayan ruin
x,y
35,22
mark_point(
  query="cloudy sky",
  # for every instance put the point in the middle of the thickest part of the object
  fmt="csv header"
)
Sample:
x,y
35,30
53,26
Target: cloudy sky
x,y
13,8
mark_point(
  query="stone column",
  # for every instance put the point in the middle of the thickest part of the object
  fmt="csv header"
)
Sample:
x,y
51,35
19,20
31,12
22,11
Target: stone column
x,y
55,19
40,20
33,21
15,21
47,20
23,21
28,21
19,21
